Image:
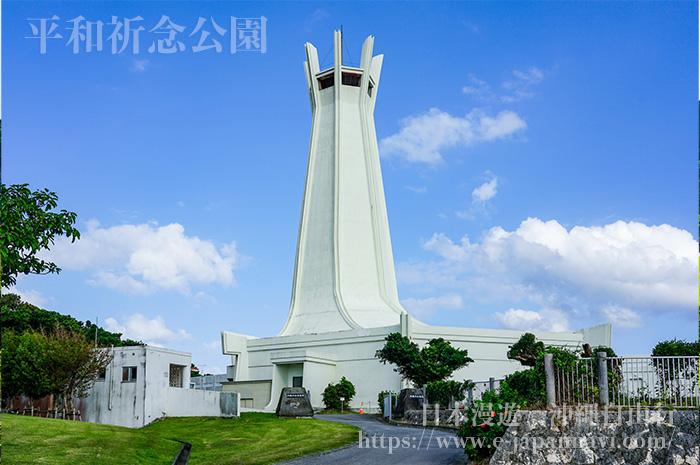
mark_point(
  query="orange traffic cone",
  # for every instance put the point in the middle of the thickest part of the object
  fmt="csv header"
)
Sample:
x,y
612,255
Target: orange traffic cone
x,y
361,411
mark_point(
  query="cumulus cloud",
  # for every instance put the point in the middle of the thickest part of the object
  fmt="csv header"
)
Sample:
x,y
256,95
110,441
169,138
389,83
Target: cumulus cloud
x,y
421,308
144,258
527,320
140,328
621,316
30,296
609,270
421,138
486,191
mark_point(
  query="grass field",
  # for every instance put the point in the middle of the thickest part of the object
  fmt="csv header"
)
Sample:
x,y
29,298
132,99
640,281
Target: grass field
x,y
254,438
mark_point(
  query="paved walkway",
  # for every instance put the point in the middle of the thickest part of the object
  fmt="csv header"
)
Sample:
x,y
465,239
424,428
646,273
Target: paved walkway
x,y
391,445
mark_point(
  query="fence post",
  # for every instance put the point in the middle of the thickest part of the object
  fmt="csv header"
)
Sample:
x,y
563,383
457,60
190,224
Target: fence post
x,y
603,378
549,380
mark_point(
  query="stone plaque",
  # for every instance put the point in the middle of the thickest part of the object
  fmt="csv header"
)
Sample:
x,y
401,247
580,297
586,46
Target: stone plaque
x,y
294,403
409,399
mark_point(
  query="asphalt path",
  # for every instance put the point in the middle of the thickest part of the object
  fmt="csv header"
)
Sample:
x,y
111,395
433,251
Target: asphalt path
x,y
387,444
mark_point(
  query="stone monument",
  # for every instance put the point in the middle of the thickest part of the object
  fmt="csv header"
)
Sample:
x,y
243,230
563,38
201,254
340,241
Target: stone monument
x,y
294,403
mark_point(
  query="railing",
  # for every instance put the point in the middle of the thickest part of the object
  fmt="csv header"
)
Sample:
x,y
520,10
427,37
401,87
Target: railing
x,y
478,388
624,381
654,381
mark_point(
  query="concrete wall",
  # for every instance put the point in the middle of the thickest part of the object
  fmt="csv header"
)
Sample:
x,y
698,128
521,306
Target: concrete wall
x,y
329,356
253,394
148,397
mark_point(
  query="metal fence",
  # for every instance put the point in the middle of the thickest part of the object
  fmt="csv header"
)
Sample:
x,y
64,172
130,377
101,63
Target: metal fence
x,y
654,381
478,388
624,381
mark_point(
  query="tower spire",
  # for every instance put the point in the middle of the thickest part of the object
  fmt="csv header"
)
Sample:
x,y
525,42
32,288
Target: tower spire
x,y
344,274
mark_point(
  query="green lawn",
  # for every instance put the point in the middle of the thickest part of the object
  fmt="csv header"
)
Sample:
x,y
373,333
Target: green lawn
x,y
254,438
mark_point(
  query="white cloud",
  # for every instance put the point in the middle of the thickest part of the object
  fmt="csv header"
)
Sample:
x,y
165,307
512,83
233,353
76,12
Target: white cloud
x,y
417,190
202,298
152,332
30,296
139,66
621,316
421,308
531,76
609,270
526,320
145,258
477,88
486,191
421,138
522,84
213,346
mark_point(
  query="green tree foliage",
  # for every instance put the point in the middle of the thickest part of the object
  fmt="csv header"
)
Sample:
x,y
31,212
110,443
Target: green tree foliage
x,y
485,421
436,361
30,225
333,393
75,364
64,363
25,365
675,347
526,386
21,316
529,385
527,350
678,370
442,392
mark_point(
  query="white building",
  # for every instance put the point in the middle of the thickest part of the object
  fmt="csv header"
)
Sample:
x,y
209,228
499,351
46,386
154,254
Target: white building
x,y
344,295
144,383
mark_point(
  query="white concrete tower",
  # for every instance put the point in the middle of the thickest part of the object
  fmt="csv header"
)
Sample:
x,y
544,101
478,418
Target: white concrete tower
x,y
344,275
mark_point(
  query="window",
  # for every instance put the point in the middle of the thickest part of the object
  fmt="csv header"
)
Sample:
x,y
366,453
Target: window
x,y
350,79
325,81
297,381
176,375
102,375
128,374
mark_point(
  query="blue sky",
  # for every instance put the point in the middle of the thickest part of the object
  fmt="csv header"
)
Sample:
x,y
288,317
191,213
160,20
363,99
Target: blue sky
x,y
539,162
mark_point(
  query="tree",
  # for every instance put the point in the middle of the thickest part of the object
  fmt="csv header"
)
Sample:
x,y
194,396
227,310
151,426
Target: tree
x,y
63,363
333,392
527,350
444,392
21,316
434,362
29,225
75,364
25,367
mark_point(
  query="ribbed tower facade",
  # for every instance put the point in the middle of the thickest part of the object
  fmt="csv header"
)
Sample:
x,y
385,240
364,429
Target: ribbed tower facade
x,y
344,274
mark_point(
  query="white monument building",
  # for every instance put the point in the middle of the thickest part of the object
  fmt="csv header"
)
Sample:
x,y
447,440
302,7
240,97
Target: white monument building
x,y
344,295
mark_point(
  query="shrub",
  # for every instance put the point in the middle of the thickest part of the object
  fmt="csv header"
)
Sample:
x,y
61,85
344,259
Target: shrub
x,y
486,420
333,393
441,392
527,387
527,350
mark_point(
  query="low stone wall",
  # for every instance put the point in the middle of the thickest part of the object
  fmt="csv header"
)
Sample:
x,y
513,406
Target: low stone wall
x,y
655,437
446,417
